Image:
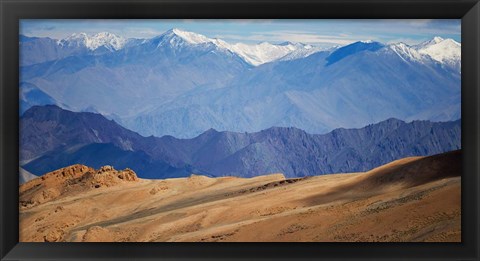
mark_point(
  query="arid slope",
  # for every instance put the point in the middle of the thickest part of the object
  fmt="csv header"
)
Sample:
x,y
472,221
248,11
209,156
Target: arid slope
x,y
412,199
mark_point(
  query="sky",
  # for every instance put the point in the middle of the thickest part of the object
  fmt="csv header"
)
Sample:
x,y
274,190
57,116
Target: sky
x,y
321,32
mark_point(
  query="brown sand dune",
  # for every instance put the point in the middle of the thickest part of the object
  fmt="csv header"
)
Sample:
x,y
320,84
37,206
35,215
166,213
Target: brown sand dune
x,y
412,199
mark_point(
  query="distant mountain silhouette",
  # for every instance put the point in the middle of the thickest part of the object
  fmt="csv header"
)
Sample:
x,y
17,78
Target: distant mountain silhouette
x,y
351,50
52,138
182,83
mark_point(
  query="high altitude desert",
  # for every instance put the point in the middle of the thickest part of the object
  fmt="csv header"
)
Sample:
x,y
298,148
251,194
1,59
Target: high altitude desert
x,y
411,199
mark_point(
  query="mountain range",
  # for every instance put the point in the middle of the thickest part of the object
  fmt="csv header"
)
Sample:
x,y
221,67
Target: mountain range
x,y
51,138
100,43
182,84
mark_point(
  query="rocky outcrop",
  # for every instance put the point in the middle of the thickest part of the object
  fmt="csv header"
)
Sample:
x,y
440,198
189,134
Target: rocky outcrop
x,y
70,180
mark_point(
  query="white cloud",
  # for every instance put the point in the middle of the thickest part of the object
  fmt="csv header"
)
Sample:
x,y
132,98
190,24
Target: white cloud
x,y
292,36
141,32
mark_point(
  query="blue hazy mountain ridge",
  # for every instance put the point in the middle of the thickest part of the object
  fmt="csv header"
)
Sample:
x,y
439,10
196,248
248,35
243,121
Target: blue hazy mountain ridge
x,y
135,78
98,155
352,49
35,50
51,138
30,95
357,90
169,86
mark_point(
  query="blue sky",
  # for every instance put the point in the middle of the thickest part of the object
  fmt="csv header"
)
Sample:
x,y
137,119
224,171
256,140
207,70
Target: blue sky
x,y
317,32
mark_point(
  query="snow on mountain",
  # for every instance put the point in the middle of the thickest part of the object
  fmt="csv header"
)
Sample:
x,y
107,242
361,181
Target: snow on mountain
x,y
254,54
190,37
183,43
350,87
445,51
178,38
407,53
74,40
108,40
304,51
433,41
181,84
141,76
262,53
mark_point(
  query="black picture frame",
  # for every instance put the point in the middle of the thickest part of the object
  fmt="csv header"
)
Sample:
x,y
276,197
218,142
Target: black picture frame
x,y
13,10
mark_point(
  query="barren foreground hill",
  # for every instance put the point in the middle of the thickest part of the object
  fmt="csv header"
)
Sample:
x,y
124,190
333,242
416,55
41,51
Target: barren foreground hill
x,y
412,199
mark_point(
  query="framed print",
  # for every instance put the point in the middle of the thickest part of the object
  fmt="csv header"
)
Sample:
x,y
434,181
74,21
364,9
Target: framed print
x,y
210,129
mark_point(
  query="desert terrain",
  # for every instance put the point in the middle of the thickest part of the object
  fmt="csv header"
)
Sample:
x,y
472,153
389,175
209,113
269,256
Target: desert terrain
x,y
408,200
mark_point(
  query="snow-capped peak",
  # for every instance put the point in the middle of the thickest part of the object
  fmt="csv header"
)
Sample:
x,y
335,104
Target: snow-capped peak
x,y
75,39
367,41
177,38
257,54
406,52
437,39
93,42
445,51
304,51
190,37
433,41
254,54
